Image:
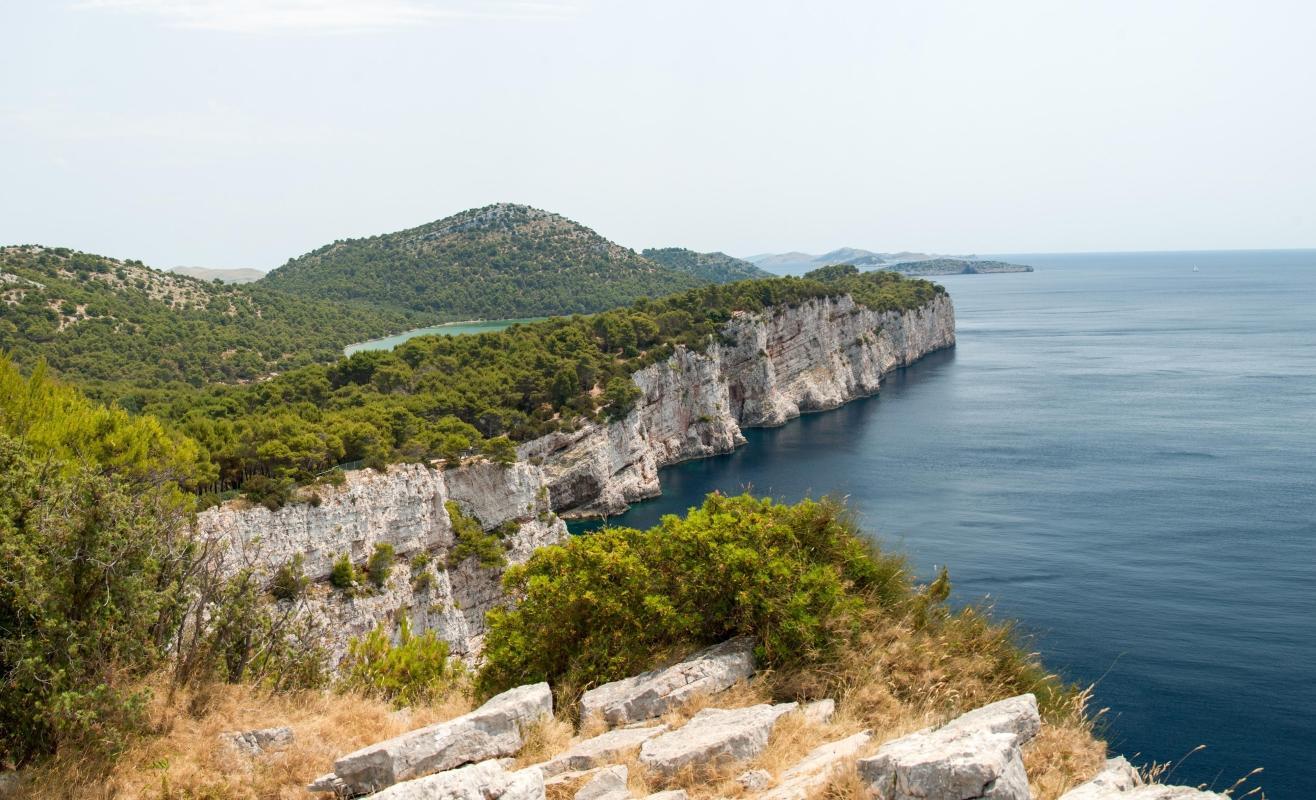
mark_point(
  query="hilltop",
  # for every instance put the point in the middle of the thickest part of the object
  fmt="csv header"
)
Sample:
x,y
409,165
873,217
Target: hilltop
x,y
716,267
95,318
499,261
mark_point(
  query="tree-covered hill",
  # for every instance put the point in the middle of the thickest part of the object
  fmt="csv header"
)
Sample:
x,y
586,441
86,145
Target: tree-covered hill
x,y
714,267
98,319
495,262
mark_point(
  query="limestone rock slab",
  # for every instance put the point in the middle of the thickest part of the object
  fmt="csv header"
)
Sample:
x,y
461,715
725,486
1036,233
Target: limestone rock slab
x,y
976,755
487,780
491,731
602,749
714,736
608,783
651,694
1118,775
817,768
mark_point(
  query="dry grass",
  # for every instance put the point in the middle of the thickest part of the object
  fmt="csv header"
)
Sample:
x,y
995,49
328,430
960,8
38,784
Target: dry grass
x,y
187,759
899,676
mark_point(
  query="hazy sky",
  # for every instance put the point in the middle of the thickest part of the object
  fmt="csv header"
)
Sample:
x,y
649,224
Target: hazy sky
x,y
243,132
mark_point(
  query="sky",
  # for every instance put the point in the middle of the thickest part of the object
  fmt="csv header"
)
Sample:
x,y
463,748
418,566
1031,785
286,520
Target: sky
x,y
241,133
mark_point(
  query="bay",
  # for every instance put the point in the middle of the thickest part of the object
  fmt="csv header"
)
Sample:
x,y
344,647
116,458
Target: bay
x,y
446,329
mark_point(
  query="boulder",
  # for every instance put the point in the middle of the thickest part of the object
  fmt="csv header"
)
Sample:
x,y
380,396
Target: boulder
x,y
493,730
714,736
603,749
814,771
253,743
651,694
670,794
486,780
608,783
754,780
820,712
1117,776
976,755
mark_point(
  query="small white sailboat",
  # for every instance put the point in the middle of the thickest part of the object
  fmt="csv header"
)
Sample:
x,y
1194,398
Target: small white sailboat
x,y
1195,269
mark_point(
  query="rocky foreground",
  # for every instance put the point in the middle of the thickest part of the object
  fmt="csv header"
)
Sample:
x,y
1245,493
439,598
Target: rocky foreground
x,y
976,755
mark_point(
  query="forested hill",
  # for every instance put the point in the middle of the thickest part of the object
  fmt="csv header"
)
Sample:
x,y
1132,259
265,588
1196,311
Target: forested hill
x,y
494,262
99,319
712,267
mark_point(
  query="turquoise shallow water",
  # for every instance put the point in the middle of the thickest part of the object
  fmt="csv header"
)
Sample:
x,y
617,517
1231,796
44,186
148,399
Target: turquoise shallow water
x,y
1119,454
446,329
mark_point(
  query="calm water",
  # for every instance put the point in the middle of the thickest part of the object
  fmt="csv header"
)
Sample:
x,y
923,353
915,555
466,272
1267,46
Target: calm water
x,y
446,329
1119,453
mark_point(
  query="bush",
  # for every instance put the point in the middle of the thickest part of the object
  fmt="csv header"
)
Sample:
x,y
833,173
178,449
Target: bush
x,y
599,607
472,541
380,564
413,671
343,575
92,575
289,581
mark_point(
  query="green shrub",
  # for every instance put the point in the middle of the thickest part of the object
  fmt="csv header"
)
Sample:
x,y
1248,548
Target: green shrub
x,y
92,571
472,541
415,670
380,564
290,580
343,575
599,607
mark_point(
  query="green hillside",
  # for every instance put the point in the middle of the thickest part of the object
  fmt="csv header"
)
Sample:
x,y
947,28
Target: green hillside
x,y
712,267
99,319
494,262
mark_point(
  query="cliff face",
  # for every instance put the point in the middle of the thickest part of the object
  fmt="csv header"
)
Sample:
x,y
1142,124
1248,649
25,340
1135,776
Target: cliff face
x,y
403,508
771,367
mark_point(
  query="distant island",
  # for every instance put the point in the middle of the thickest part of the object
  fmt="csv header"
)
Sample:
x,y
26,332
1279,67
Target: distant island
x,y
957,266
906,262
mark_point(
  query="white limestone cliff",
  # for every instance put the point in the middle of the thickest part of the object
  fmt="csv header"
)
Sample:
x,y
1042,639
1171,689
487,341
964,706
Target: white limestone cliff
x,y
405,509
770,367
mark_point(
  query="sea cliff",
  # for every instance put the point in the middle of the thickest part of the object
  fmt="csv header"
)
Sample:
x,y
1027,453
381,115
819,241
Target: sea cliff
x,y
766,368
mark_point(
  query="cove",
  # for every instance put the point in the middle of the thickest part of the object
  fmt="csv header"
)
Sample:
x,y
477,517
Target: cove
x,y
446,329
1118,454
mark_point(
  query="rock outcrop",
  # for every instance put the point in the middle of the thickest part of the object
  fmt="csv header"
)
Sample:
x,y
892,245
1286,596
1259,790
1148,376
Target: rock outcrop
x,y
767,368
599,750
651,694
494,730
817,768
714,737
405,509
977,755
258,742
487,780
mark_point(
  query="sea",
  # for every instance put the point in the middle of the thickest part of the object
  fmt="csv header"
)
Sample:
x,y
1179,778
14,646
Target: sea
x,y
1120,454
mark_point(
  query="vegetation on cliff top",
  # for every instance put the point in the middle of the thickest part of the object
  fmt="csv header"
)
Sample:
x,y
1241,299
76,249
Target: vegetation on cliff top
x,y
801,579
497,262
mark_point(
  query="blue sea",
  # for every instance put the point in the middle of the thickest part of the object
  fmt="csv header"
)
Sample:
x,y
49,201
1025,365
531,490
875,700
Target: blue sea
x,y
1120,453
